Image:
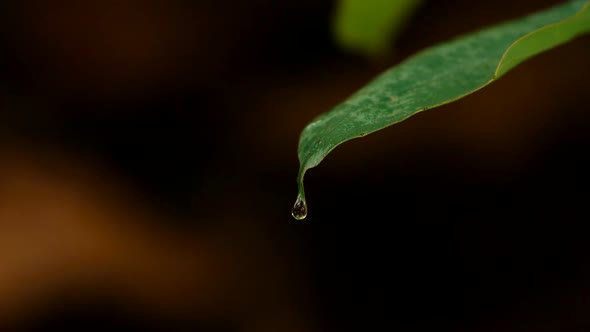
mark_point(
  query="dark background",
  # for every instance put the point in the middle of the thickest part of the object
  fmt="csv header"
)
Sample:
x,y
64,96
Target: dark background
x,y
148,163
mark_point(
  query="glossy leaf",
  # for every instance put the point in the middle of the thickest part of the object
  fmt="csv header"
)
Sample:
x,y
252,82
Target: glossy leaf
x,y
438,76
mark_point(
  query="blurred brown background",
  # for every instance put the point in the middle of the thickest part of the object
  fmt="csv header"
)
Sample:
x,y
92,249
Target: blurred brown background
x,y
148,163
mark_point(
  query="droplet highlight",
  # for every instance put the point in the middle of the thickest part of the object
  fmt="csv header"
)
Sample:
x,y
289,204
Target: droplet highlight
x,y
299,210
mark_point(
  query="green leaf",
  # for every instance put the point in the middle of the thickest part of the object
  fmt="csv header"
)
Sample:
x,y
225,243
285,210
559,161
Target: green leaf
x,y
435,77
368,27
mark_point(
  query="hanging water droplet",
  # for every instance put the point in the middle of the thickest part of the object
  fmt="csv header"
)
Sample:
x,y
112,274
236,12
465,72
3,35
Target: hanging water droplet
x,y
299,210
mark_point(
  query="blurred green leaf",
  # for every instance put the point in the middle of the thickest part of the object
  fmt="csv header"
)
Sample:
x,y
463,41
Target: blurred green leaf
x,y
368,27
438,76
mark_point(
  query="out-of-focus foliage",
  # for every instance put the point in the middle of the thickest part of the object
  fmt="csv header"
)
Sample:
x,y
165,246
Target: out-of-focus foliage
x,y
369,27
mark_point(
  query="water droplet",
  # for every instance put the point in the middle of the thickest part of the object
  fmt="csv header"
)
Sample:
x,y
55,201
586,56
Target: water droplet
x,y
299,210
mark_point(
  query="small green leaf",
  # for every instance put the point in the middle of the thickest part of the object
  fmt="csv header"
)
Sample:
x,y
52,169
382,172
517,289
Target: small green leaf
x,y
438,76
368,27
